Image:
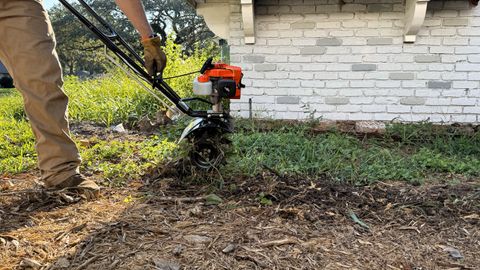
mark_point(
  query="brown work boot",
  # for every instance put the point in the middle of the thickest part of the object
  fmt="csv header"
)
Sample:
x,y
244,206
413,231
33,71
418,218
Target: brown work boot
x,y
81,185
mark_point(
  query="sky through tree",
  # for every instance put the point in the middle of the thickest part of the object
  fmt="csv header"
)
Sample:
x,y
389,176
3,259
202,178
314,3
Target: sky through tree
x,y
49,3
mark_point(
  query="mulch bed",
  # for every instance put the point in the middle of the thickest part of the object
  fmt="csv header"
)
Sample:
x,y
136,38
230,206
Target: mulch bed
x,y
267,222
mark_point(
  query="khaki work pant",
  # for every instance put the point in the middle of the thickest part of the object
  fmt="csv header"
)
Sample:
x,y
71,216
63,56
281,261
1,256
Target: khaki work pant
x,y
27,48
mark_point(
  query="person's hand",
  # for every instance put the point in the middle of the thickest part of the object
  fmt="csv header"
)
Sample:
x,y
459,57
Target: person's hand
x,y
155,58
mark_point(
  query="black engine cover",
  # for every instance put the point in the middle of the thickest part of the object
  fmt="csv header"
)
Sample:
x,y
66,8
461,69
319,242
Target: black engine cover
x,y
227,88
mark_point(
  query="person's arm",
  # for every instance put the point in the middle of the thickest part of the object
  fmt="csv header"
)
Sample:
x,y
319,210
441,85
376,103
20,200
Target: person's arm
x,y
155,58
135,12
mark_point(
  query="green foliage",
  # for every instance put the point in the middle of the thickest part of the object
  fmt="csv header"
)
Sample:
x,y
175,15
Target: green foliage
x,y
293,150
115,98
213,199
17,152
264,200
407,152
77,47
105,101
446,139
118,161
80,50
101,101
111,99
179,20
178,65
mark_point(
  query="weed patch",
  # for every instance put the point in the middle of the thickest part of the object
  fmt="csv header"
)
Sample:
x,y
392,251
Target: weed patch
x,y
107,100
17,152
121,160
407,152
116,159
116,98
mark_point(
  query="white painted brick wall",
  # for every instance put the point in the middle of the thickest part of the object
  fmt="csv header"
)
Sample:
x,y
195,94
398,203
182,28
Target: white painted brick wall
x,y
348,61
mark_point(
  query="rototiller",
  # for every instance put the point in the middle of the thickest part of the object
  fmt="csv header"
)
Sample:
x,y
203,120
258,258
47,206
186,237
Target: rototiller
x,y
219,81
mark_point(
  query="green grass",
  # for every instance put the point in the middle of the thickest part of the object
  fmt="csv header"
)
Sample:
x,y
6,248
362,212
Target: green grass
x,y
116,160
407,152
115,98
109,100
16,138
120,161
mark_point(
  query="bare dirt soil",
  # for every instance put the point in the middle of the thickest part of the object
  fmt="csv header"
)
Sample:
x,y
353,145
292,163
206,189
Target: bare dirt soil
x,y
310,224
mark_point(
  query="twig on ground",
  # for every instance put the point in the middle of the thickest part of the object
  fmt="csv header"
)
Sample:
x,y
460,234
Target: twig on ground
x,y
258,251
286,241
411,228
71,230
87,262
455,265
213,242
180,200
252,259
8,237
22,192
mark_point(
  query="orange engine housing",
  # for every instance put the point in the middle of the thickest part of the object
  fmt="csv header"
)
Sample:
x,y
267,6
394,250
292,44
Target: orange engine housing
x,y
224,71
